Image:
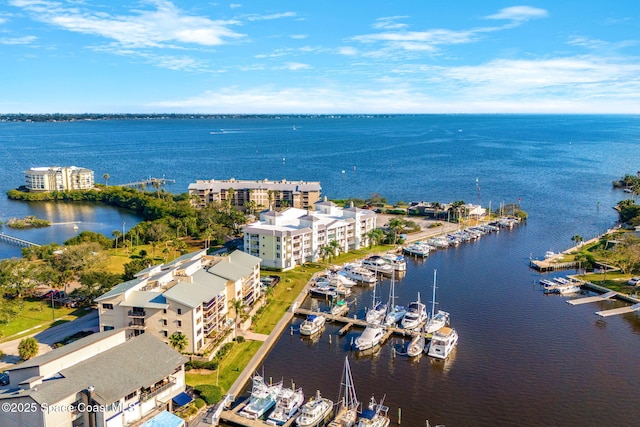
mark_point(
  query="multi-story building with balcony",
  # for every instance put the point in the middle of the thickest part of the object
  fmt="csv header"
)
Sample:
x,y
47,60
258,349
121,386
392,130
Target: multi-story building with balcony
x,y
103,380
251,195
295,236
193,294
56,178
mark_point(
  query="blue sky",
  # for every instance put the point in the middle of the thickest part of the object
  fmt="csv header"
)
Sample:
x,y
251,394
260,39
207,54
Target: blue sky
x,y
412,56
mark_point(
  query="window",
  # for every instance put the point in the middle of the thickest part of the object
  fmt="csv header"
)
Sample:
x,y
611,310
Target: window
x,y
165,334
164,311
179,311
108,328
130,395
164,322
179,323
107,306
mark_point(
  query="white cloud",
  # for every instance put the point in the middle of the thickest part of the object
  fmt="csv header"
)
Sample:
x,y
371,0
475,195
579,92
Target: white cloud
x,y
295,66
162,27
235,5
272,16
519,13
389,23
18,40
299,36
347,51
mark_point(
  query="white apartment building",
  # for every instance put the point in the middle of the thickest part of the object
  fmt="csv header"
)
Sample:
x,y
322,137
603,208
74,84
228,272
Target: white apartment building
x,y
295,236
259,194
192,294
103,380
56,178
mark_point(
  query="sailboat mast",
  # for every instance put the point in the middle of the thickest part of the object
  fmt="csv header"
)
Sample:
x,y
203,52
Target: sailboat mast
x,y
433,299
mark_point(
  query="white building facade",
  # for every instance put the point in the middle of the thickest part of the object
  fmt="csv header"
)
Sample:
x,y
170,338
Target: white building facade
x,y
295,236
56,178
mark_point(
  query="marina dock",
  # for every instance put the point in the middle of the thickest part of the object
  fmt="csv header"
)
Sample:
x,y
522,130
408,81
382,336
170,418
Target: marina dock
x,y
621,310
148,182
595,298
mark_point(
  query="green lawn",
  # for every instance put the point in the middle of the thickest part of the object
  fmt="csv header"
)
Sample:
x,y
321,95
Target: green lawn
x,y
230,367
31,313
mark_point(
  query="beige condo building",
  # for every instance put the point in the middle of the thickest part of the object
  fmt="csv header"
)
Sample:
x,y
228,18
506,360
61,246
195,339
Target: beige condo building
x,y
255,194
56,178
193,294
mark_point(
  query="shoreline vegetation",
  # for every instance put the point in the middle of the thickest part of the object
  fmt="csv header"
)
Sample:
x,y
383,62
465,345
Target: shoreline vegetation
x,y
176,217
26,222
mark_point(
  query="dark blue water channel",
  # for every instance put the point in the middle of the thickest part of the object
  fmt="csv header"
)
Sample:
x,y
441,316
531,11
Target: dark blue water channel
x,y
524,358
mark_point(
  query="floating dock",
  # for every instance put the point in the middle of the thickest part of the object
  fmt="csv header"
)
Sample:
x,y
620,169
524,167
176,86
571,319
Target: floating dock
x,y
621,310
586,300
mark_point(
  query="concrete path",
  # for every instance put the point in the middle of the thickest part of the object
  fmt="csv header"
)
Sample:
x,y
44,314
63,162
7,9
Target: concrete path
x,y
48,337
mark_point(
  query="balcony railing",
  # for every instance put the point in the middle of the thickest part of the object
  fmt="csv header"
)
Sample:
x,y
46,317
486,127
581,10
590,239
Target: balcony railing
x,y
154,391
137,313
135,325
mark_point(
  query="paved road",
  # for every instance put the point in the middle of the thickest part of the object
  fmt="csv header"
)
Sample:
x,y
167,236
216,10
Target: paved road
x,y
49,336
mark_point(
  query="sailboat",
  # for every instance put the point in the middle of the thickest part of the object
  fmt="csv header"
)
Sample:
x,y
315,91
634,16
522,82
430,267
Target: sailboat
x,y
439,319
416,315
378,310
348,405
396,312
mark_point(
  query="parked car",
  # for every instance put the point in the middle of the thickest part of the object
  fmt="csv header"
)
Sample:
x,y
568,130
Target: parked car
x,y
4,379
52,294
634,281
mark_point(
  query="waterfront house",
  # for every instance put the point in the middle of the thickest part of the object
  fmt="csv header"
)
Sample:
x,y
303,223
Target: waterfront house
x,y
295,236
56,178
192,294
103,380
255,194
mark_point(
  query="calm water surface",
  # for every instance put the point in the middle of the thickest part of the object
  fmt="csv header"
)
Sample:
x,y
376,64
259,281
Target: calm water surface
x,y
524,358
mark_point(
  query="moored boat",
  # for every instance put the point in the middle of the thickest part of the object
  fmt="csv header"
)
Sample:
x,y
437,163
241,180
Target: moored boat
x,y
375,415
340,308
287,403
415,316
398,262
359,274
416,346
435,320
442,343
395,312
314,412
312,324
376,264
348,405
263,398
370,337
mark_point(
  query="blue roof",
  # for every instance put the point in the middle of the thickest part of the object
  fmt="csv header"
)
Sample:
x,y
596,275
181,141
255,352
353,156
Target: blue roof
x,y
182,399
164,419
368,414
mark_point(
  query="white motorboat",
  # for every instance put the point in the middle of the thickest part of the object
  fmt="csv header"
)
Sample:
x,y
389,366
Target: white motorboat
x,y
416,346
377,312
375,415
415,316
312,324
359,274
263,397
340,308
315,411
370,337
439,319
398,262
348,405
376,264
395,312
568,289
323,291
418,249
442,342
287,403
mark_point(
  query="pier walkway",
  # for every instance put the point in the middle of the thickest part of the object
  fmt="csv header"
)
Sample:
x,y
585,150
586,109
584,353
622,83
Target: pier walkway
x,y
17,241
621,310
595,298
146,182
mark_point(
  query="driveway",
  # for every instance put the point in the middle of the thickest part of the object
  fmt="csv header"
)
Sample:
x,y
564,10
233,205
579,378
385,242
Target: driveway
x,y
48,337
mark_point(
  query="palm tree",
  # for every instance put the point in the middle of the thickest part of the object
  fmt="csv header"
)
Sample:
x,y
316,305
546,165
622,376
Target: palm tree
x,y
397,225
326,252
270,196
116,234
230,193
106,177
375,236
237,306
577,239
179,341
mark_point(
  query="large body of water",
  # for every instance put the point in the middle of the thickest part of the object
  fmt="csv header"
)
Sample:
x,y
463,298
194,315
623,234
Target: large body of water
x,y
524,358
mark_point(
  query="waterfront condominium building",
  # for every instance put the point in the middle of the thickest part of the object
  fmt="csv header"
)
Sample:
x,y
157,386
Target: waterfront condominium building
x,y
56,178
295,236
192,294
251,195
102,380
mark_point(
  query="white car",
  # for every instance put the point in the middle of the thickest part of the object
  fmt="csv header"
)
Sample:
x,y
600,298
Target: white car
x,y
634,281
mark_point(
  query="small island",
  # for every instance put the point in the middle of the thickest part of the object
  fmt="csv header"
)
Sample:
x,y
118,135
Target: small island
x,y
27,222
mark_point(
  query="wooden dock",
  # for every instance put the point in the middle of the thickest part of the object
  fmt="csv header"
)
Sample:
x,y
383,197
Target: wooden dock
x,y
148,182
586,300
350,322
621,310
552,265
